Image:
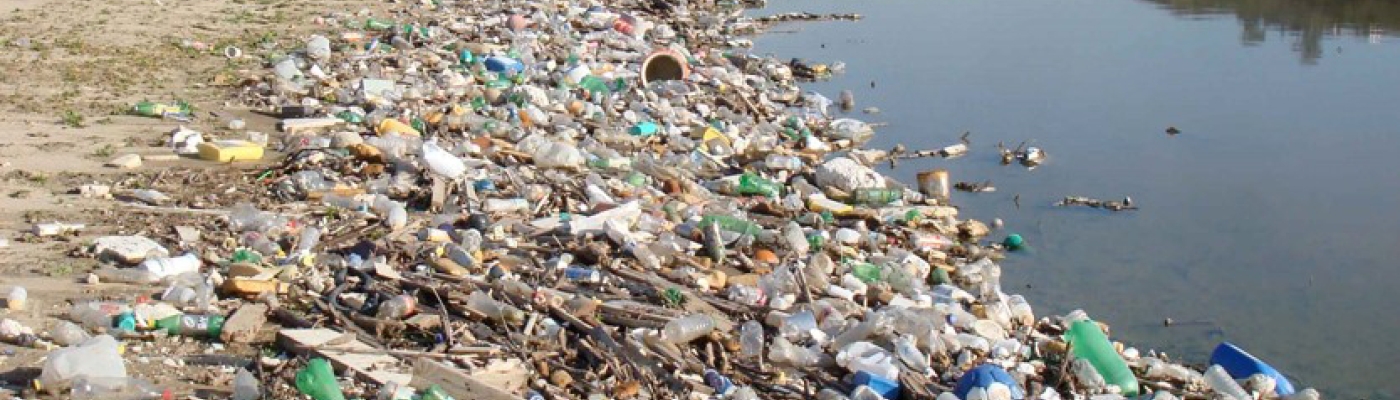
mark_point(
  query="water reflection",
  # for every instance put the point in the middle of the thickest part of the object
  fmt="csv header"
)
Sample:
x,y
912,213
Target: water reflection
x,y
1307,22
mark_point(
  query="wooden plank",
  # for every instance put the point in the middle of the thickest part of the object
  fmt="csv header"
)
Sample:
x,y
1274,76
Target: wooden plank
x,y
243,326
455,382
298,125
356,356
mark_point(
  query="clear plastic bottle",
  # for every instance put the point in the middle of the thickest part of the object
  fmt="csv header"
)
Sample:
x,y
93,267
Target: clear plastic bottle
x,y
1086,376
1020,310
796,239
685,329
909,353
94,315
112,388
751,339
397,307
784,352
442,162
135,276
483,303
1221,382
506,205
66,333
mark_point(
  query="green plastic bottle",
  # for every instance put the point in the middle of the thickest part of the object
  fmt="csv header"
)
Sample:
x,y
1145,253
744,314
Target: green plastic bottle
x,y
876,197
377,25
1087,341
154,109
866,272
191,325
730,223
751,184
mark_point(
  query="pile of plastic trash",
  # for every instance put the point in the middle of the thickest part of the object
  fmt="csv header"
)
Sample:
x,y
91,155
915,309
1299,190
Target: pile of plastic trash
x,y
621,200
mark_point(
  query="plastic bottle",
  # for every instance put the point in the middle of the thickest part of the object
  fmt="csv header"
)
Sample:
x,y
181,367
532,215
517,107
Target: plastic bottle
x,y
751,339
149,196
111,388
798,325
645,255
685,329
67,333
441,162
154,109
583,275
1085,375
94,315
795,238
867,272
1161,370
722,385
731,224
909,353
867,357
191,325
783,162
1020,310
483,303
874,321
171,266
307,240
397,307
1221,382
876,197
1089,342
137,276
505,205
783,352
751,184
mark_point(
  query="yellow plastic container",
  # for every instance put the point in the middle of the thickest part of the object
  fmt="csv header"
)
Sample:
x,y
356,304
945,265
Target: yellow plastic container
x,y
230,150
390,125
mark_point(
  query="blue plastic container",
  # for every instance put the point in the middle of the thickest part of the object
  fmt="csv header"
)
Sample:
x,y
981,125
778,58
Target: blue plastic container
x,y
1242,365
886,388
984,376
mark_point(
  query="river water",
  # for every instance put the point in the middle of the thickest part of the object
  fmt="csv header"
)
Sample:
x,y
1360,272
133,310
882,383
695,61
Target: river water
x,y
1270,221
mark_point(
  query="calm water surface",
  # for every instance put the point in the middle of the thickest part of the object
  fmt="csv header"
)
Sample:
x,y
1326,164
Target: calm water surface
x,y
1271,221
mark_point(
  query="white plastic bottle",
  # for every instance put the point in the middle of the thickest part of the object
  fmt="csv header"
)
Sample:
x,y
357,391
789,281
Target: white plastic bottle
x,y
685,329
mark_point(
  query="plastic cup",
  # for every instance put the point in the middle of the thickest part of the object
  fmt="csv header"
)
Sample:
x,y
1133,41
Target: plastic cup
x,y
17,298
